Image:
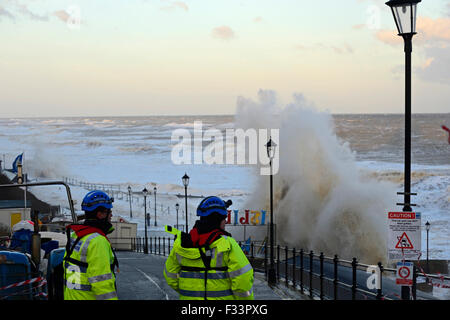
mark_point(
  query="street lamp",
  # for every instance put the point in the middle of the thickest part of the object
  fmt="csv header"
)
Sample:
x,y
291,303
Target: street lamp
x,y
427,226
405,14
129,196
185,180
154,191
271,146
145,192
177,206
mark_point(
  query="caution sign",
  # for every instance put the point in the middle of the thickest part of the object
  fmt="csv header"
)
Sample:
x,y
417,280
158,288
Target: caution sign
x,y
404,242
404,239
404,273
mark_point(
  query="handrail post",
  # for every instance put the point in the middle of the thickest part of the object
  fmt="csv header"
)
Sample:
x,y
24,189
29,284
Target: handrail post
x,y
278,263
159,245
293,268
164,246
265,260
321,257
301,271
380,289
354,265
252,248
311,257
335,280
286,269
414,285
151,246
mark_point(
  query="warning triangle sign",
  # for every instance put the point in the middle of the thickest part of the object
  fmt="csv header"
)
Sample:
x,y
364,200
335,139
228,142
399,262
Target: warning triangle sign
x,y
404,242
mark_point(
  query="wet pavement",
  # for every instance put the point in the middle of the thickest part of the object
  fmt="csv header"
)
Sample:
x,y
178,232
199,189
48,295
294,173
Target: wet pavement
x,y
140,277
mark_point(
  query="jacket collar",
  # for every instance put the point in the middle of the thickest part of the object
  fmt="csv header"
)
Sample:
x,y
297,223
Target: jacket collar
x,y
201,239
83,230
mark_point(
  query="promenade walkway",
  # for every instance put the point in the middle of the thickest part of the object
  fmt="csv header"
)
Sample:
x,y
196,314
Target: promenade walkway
x,y
141,277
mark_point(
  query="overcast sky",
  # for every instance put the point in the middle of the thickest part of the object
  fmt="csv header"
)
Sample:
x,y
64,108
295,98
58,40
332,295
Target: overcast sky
x,y
154,57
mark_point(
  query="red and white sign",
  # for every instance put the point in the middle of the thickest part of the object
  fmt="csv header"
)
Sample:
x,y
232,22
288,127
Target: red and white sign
x,y
402,215
404,239
404,242
404,273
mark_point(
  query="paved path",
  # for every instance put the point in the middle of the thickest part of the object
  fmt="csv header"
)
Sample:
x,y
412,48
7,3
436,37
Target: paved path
x,y
141,278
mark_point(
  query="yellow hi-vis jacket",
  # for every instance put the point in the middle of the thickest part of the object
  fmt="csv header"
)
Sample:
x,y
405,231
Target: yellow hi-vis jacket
x,y
230,276
88,271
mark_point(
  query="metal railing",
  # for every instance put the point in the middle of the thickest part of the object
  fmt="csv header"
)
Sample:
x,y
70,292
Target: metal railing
x,y
120,191
316,275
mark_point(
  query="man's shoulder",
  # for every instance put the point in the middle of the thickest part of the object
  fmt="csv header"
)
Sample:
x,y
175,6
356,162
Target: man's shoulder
x,y
224,243
96,239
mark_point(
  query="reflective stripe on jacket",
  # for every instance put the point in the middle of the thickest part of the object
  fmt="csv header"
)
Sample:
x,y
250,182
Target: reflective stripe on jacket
x,y
89,275
234,282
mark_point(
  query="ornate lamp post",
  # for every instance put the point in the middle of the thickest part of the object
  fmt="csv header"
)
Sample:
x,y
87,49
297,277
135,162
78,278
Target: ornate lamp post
x,y
405,14
185,180
271,146
145,192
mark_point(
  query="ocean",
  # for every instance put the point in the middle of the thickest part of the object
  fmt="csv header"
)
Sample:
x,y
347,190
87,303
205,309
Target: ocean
x,y
319,155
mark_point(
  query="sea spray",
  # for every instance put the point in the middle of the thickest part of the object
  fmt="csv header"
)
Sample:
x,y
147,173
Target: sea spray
x,y
44,163
321,200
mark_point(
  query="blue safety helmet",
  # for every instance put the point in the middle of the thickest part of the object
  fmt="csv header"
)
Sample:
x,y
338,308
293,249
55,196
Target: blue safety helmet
x,y
212,204
95,199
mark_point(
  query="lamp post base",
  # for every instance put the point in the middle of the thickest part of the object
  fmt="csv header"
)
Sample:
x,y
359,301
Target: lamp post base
x,y
146,247
405,293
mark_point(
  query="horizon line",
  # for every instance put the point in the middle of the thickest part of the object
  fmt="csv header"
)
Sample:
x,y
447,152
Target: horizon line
x,y
202,115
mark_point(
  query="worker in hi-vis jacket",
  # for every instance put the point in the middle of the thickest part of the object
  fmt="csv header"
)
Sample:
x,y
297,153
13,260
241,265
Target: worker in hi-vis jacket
x,y
89,260
208,263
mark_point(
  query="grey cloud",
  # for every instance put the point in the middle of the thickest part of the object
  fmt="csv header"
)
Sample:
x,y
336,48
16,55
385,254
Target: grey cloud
x,y
25,11
16,9
437,67
6,13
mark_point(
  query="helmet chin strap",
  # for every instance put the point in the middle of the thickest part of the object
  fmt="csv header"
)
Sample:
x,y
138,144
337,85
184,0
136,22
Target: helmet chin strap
x,y
102,224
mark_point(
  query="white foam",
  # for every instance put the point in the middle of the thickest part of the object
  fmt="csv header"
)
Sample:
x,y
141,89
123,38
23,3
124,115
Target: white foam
x,y
321,200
